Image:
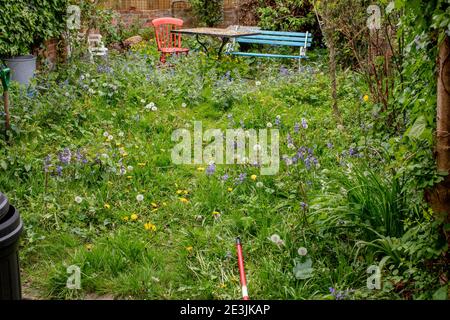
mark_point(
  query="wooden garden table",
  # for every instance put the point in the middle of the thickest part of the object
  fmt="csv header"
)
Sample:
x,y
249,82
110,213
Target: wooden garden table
x,y
224,34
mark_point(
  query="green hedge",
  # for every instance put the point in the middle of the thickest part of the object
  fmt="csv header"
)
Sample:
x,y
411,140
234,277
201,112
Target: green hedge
x,y
27,23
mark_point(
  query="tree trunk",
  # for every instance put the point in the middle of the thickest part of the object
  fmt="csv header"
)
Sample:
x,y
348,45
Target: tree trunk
x,y
439,197
332,66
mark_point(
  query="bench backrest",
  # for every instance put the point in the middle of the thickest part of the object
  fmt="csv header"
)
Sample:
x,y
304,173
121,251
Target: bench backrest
x,y
279,38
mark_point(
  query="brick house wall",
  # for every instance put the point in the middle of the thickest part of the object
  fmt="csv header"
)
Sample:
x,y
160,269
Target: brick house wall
x,y
145,17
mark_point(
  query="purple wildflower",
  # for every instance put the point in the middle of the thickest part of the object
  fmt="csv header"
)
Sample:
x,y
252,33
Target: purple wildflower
x,y
225,177
284,71
65,156
289,139
47,163
304,205
330,145
304,123
211,169
59,170
277,121
297,127
241,178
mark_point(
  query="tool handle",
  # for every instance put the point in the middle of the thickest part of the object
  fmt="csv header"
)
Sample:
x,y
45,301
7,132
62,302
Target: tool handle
x,y
241,269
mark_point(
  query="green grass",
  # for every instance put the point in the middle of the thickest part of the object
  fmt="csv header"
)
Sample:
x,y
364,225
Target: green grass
x,y
191,254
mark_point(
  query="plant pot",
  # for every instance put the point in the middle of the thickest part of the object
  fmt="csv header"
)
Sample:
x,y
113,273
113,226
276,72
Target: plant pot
x,y
22,68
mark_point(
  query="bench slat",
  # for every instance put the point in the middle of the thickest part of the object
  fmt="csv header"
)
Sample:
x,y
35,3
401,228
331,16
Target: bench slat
x,y
283,33
273,42
267,55
278,38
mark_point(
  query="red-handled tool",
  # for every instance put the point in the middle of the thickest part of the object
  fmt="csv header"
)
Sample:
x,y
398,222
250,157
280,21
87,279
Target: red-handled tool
x,y
241,269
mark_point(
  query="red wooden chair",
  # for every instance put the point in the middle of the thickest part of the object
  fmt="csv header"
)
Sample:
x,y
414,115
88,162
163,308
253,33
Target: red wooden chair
x,y
168,42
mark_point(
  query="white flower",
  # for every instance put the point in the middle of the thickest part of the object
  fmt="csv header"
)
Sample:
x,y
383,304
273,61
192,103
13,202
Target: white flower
x,y
91,91
340,127
78,199
105,134
150,106
302,251
258,83
259,184
139,197
291,146
104,155
269,125
93,80
289,161
87,75
256,147
121,134
154,108
276,239
130,168
278,117
142,101
82,77
183,105
67,94
110,137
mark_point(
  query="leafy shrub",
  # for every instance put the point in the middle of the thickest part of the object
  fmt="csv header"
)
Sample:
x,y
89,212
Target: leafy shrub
x,y
287,15
24,24
208,12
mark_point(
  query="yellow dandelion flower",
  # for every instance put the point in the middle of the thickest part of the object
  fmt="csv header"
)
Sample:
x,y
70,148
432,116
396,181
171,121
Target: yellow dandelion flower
x,y
149,226
185,191
125,218
141,164
134,217
216,213
200,169
230,189
189,249
118,144
110,183
184,200
179,191
366,98
88,246
253,177
125,154
107,206
154,205
130,177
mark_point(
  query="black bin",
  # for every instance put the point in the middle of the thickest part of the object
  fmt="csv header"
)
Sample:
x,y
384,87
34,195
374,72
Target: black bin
x,y
10,230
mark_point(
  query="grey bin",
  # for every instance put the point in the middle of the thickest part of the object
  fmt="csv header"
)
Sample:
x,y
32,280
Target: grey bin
x,y
10,229
22,68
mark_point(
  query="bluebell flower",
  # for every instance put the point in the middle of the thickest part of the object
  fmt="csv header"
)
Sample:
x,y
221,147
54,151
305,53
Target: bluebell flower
x,y
211,169
330,145
304,123
65,156
225,177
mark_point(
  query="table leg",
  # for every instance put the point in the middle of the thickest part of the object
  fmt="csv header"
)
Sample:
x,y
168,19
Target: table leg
x,y
224,42
201,43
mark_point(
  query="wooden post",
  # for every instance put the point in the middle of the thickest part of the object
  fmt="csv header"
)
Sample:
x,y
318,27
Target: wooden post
x,y
439,196
7,116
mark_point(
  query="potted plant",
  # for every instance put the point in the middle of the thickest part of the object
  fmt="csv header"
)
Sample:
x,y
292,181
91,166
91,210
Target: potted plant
x,y
17,25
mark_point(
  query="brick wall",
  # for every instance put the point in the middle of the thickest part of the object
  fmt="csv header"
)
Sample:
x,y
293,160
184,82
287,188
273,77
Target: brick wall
x,y
145,17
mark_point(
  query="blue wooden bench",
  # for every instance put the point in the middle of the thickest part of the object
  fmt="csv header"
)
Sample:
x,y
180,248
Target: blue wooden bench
x,y
276,38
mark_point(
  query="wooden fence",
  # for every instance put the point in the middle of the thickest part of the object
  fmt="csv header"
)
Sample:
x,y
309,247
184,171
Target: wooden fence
x,y
154,4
